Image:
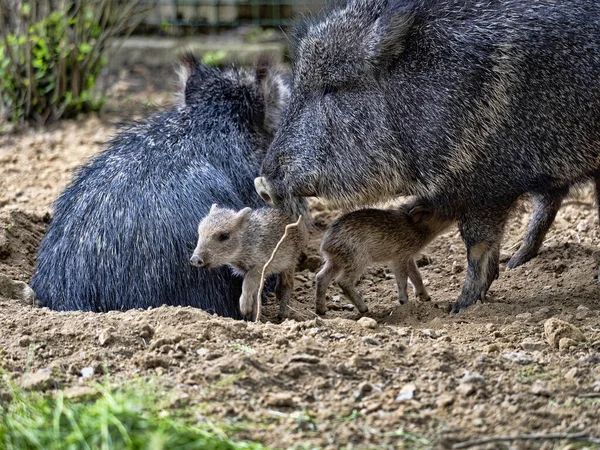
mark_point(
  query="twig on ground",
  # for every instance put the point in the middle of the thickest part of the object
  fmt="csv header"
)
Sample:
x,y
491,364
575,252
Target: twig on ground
x,y
268,263
581,437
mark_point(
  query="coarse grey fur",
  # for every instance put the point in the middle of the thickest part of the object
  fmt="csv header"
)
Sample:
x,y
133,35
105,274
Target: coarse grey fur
x,y
367,236
467,103
245,240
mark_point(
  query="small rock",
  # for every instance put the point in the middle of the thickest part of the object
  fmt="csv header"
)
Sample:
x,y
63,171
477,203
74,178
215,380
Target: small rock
x,y
556,330
87,372
473,377
524,316
492,348
367,322
348,307
16,290
566,343
519,357
430,333
466,389
38,381
571,374
539,388
370,341
338,336
582,312
532,345
542,313
445,400
280,399
406,393
106,337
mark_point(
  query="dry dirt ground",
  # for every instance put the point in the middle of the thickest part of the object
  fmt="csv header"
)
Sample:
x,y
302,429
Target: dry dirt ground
x,y
417,378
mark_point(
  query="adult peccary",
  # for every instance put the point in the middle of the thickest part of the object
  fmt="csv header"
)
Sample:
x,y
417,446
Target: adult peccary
x,y
244,240
366,236
123,230
469,104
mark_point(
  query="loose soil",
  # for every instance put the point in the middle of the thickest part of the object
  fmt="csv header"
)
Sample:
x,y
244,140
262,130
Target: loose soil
x,y
418,377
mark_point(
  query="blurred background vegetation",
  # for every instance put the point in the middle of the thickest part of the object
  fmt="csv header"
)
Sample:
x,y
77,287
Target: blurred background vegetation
x,y
53,51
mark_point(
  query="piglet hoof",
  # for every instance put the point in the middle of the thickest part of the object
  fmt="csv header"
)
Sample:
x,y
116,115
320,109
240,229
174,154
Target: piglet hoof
x,y
321,310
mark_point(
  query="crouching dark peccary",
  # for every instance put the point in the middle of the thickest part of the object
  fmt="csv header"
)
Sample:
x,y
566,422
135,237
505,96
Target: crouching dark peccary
x,y
244,240
123,230
469,104
366,236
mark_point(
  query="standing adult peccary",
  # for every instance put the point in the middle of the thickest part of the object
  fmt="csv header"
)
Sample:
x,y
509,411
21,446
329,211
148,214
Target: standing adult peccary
x,y
244,240
366,236
123,230
467,103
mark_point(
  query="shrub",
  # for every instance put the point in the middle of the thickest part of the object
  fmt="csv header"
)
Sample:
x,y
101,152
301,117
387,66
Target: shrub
x,y
52,51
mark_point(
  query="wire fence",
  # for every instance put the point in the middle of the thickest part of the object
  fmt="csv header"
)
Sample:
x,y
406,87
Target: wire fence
x,y
179,17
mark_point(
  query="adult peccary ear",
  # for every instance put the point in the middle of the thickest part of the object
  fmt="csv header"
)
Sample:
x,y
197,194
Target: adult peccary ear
x,y
420,213
388,35
275,84
192,76
213,208
242,216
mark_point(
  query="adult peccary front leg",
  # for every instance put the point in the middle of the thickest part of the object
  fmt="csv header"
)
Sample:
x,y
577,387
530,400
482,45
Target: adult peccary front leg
x,y
481,234
546,206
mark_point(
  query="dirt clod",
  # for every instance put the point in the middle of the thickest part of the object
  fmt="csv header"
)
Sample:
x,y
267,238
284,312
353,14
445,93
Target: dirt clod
x,y
39,381
557,330
16,290
367,322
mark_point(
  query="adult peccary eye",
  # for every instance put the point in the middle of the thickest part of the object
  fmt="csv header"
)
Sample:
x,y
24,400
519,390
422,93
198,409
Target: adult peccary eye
x,y
223,237
329,90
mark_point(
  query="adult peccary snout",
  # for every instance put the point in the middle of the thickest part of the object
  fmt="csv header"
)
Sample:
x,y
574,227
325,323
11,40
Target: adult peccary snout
x,y
469,104
123,230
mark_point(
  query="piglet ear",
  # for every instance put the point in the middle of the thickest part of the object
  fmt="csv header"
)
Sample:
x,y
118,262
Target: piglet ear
x,y
388,35
243,216
213,208
420,213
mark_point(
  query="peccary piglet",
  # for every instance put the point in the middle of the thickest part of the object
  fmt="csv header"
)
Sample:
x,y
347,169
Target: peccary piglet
x,y
245,240
361,238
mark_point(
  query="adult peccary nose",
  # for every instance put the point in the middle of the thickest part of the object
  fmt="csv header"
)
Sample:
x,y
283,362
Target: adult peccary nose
x,y
195,260
263,189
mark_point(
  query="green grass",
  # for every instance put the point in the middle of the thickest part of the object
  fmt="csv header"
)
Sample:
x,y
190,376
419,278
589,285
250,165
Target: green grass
x,y
135,416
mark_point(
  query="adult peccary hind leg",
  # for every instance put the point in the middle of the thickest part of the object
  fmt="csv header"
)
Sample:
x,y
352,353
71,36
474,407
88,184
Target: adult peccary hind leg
x,y
546,207
482,235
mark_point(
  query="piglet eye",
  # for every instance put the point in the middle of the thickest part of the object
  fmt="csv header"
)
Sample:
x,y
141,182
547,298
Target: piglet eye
x,y
223,237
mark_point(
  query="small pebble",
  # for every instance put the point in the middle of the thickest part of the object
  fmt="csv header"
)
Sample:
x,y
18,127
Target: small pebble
x,y
367,322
